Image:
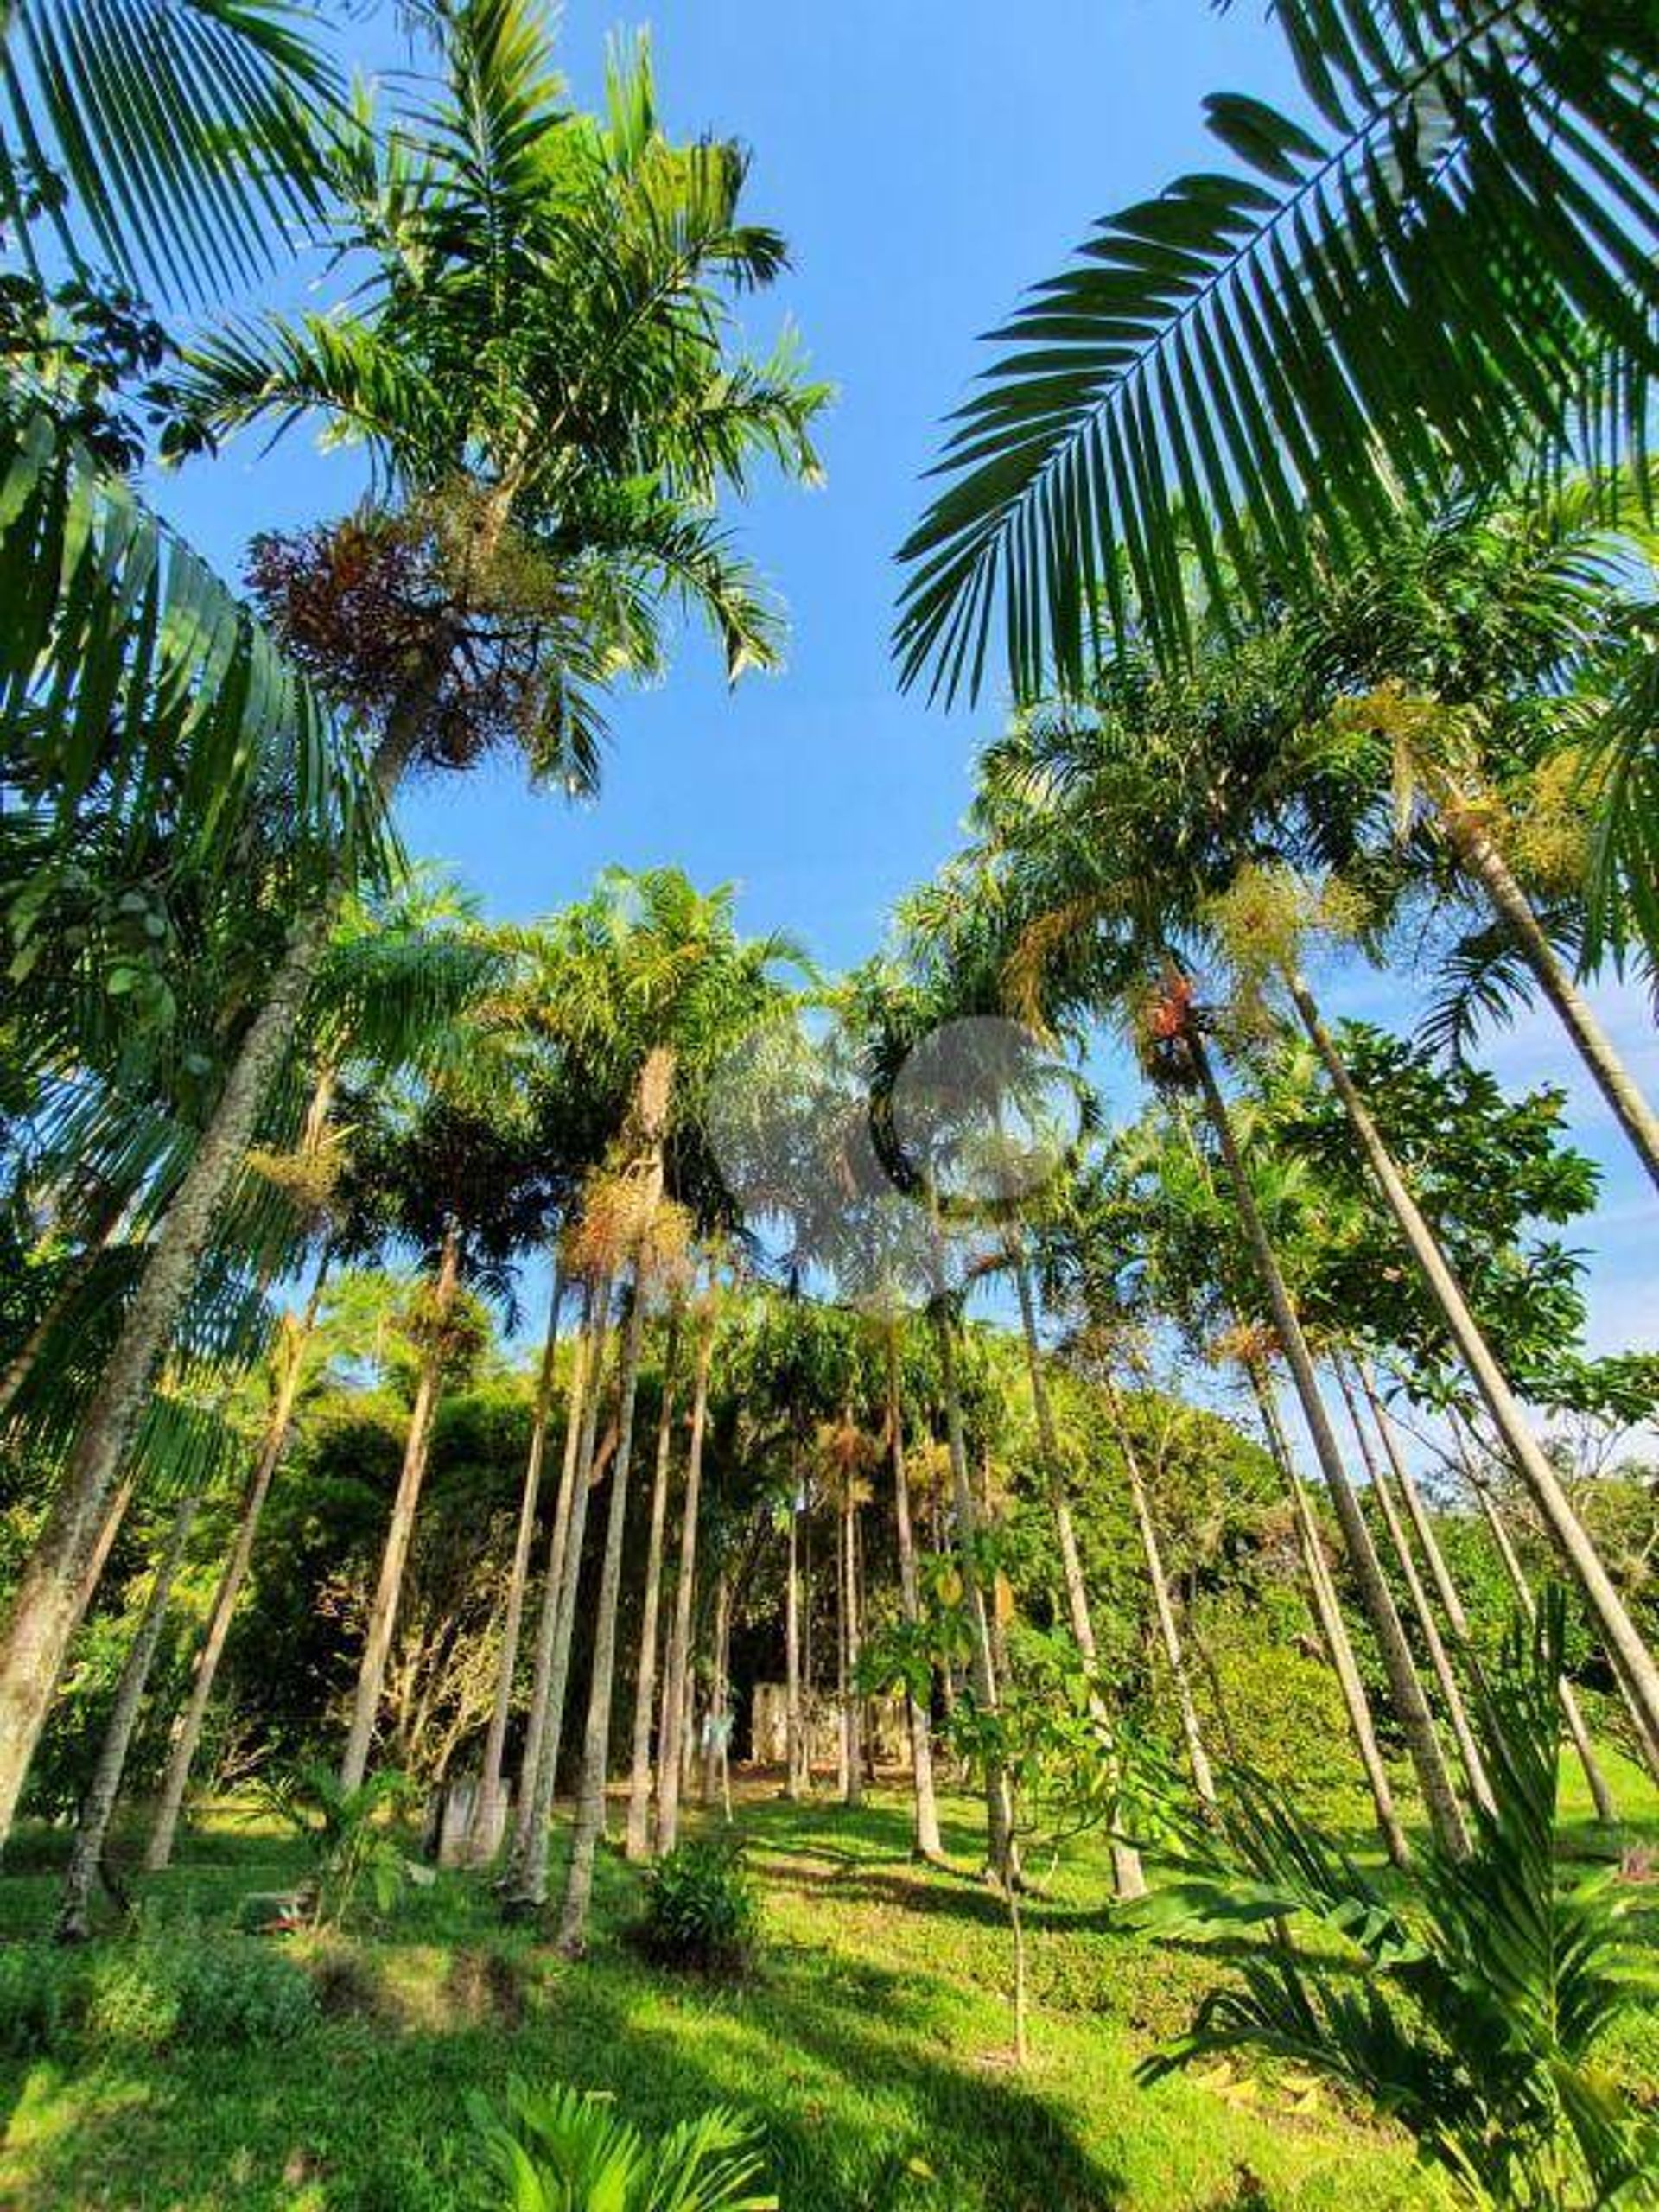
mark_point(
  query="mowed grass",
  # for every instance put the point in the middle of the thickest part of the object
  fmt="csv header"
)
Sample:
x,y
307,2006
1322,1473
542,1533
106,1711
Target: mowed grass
x,y
872,2048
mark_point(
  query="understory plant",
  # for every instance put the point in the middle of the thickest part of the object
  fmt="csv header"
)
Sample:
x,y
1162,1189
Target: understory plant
x,y
564,2150
1474,2007
350,1836
701,1913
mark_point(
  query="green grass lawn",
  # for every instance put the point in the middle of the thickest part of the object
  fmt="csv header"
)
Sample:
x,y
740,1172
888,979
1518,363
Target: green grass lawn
x,y
872,2048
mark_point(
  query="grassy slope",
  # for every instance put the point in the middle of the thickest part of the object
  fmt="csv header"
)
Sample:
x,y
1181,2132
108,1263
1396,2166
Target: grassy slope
x,y
873,2046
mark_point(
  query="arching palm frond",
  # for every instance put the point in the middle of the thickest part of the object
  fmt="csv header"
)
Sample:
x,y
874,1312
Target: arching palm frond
x,y
187,131
127,669
1622,767
1448,272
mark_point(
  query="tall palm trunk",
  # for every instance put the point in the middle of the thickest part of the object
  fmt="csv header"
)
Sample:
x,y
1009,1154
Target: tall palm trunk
x,y
1204,1780
854,1653
716,1754
187,1733
652,1104
677,1735
636,1843
588,1823
1128,1876
526,1883
794,1787
489,1812
999,1802
1479,854
46,1602
93,1831
928,1845
1406,1692
1572,1713
1629,1653
1439,1660
1333,1629
383,1616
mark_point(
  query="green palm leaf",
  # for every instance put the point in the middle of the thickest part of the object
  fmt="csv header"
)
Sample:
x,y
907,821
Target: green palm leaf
x,y
127,669
185,129
1455,267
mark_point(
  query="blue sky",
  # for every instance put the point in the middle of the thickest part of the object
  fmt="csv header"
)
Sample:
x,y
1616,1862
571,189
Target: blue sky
x,y
926,159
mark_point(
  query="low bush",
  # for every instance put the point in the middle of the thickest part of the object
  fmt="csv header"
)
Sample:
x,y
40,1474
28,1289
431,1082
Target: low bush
x,y
149,1990
242,1993
702,1911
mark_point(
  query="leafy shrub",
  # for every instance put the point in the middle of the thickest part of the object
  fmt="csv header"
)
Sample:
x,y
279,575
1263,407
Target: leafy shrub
x,y
242,1994
1492,1986
145,1992
701,1913
132,2000
560,2146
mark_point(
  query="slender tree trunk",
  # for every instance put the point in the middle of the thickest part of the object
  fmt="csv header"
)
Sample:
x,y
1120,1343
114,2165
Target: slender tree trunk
x,y
713,1740
1626,1649
45,1606
488,1812
637,1845
1333,1629
1572,1713
670,1779
1410,1706
187,1733
92,1832
999,1806
1445,1589
852,1722
527,1887
383,1617
928,1845
1440,1659
589,1819
1204,1780
1128,1876
1481,858
793,1743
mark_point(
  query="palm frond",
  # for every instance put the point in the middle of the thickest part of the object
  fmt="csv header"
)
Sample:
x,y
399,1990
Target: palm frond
x,y
1448,271
188,130
126,665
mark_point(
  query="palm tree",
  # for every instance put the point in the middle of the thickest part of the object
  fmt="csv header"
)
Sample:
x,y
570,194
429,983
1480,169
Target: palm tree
x,y
1444,275
1327,1610
680,989
434,1322
1182,1027
541,363
638,1837
525,1885
678,1671
928,1845
1064,799
1421,1611
1630,1653
289,1366
98,1806
107,605
487,1818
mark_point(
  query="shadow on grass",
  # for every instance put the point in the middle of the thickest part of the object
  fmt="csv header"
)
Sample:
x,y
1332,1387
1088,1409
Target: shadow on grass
x,y
845,2066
